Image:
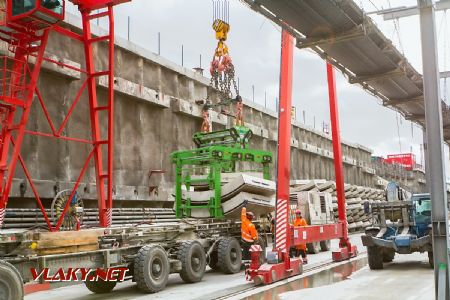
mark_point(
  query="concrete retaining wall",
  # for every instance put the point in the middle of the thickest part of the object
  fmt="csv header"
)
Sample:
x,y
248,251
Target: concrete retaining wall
x,y
155,114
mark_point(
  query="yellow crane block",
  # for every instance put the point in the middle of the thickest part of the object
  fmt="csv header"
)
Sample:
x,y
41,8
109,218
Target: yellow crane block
x,y
221,28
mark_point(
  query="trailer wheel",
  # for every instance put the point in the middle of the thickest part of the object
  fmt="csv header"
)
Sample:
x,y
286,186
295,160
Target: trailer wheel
x,y
325,245
375,258
193,261
100,286
230,255
11,285
214,261
431,259
313,248
151,268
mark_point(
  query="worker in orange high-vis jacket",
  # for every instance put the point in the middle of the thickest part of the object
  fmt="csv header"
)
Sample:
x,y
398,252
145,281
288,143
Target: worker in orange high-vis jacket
x,y
249,234
300,249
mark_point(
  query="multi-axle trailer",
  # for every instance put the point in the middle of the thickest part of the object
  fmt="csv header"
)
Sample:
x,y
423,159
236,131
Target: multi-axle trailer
x,y
146,254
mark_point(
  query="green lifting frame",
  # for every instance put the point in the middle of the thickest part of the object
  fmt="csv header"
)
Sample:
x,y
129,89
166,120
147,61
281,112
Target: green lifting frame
x,y
218,152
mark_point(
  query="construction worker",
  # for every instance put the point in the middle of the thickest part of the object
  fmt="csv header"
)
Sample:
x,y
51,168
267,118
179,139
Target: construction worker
x,y
300,249
249,234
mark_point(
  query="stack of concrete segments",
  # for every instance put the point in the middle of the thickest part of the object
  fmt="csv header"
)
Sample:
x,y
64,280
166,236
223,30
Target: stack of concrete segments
x,y
258,193
355,197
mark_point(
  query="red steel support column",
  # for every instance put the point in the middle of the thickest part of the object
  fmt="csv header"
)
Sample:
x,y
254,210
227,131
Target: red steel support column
x,y
282,228
104,176
109,200
18,83
96,137
337,152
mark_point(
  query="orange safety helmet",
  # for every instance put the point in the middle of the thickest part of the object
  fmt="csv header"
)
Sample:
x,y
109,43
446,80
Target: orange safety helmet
x,y
250,215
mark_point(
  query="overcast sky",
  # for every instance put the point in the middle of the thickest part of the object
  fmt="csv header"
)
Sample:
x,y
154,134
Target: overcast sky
x,y
254,44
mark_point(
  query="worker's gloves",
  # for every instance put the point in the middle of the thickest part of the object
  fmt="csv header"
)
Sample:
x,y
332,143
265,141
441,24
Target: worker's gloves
x,y
245,203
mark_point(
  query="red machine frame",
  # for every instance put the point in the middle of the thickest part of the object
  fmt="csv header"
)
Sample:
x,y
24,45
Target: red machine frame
x,y
285,234
19,93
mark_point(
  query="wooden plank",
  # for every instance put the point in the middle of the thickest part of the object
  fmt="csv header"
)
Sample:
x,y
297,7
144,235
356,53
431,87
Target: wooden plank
x,y
67,234
87,247
43,244
70,249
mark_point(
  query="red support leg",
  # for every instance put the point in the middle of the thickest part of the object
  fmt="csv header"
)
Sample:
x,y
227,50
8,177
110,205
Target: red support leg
x,y
104,176
109,203
269,273
282,232
347,250
17,97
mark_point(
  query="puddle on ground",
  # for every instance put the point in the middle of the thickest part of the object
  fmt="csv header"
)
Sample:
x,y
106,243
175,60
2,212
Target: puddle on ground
x,y
325,277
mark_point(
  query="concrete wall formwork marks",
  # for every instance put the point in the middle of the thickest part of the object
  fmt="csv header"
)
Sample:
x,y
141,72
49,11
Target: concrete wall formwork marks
x,y
155,114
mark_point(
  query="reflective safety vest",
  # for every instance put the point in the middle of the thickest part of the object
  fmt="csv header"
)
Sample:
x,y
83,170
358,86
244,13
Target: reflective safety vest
x,y
248,230
300,222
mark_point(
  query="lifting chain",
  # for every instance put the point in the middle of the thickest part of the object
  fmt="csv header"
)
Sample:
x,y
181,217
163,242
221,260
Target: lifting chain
x,y
223,75
224,81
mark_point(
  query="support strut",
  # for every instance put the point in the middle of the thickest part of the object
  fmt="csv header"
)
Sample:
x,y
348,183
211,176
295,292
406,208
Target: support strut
x,y
99,113
282,232
347,250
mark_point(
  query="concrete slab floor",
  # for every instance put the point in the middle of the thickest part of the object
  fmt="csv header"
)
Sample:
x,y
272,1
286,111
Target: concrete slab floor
x,y
408,277
214,285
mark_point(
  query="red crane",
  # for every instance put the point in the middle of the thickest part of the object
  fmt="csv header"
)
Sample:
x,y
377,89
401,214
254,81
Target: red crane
x,y
280,265
25,27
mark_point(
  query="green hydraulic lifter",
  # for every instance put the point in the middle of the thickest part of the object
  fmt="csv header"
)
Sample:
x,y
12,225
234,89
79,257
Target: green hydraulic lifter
x,y
217,152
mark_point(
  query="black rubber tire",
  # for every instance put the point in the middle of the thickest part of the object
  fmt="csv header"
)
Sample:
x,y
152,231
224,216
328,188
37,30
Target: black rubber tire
x,y
431,259
11,283
100,286
151,268
325,245
313,248
193,261
388,256
375,258
214,261
229,255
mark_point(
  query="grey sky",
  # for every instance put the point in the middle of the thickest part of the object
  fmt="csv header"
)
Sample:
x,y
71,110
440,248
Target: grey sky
x,y
255,48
